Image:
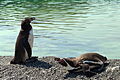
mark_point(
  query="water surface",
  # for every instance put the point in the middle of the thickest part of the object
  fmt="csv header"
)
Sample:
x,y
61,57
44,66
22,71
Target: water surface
x,y
63,28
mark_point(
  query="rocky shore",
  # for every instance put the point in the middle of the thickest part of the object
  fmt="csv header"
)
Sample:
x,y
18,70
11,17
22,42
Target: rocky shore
x,y
47,69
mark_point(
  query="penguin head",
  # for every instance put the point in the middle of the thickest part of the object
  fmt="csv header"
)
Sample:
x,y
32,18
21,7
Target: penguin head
x,y
29,19
25,24
66,62
61,61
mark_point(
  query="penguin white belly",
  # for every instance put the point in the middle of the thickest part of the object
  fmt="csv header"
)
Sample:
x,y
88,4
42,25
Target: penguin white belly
x,y
30,41
26,55
31,38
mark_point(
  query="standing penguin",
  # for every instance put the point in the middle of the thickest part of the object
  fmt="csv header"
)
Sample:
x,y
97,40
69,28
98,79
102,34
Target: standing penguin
x,y
24,43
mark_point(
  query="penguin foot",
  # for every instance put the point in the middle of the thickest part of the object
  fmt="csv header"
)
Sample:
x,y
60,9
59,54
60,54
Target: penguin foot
x,y
35,57
32,59
12,62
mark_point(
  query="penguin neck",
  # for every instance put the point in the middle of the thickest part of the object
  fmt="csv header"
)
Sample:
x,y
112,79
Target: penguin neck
x,y
25,27
71,65
70,62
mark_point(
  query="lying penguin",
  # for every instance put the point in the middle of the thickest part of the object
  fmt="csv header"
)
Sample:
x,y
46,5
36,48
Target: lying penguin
x,y
85,62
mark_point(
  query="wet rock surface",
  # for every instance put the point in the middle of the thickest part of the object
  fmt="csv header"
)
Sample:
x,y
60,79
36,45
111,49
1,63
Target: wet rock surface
x,y
47,69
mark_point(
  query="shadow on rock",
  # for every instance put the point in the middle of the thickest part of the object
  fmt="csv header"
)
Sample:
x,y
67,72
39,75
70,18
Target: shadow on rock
x,y
38,64
73,74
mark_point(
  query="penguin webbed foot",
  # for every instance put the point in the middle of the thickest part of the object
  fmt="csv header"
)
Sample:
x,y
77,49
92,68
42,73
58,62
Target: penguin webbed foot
x,y
32,59
13,62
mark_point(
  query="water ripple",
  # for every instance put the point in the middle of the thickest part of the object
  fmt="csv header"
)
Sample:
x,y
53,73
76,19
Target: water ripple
x,y
63,26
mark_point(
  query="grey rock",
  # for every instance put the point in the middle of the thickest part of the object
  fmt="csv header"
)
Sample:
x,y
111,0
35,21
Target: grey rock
x,y
47,69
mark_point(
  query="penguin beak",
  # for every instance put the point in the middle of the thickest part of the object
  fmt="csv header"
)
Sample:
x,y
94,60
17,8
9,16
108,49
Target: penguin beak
x,y
32,18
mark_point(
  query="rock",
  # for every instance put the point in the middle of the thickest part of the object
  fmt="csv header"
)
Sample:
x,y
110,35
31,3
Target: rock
x,y
113,68
47,69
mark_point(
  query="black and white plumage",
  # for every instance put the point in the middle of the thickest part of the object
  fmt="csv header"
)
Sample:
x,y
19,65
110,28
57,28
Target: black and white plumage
x,y
24,43
85,62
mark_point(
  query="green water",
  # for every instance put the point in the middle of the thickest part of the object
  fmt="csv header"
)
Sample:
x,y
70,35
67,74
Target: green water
x,y
63,28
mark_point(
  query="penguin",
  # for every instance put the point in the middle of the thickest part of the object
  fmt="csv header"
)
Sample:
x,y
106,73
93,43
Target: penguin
x,y
97,58
24,43
84,62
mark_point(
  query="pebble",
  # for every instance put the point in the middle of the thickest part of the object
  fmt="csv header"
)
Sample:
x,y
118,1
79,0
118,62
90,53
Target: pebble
x,y
47,69
113,68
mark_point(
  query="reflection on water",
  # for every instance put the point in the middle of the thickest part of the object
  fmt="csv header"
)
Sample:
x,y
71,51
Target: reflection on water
x,y
63,28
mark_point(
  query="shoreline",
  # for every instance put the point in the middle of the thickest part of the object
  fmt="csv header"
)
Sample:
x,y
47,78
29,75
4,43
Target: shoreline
x,y
47,69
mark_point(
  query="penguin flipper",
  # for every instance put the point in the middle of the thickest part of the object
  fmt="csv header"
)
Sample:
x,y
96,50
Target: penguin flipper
x,y
27,47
